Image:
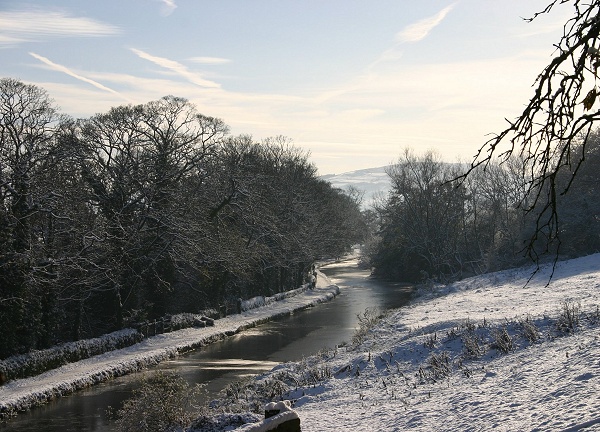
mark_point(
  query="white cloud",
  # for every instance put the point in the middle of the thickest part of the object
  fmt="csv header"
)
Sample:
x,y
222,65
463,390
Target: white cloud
x,y
419,30
176,67
209,60
412,33
370,118
168,7
64,69
367,122
19,26
8,40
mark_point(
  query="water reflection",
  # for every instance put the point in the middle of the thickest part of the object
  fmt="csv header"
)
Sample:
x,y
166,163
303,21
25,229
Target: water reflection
x,y
251,352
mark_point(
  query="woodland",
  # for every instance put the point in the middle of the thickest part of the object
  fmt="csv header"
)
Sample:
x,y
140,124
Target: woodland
x,y
439,226
145,211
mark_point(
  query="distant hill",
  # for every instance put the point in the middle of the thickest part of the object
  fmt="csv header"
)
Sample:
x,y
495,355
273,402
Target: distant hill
x,y
374,182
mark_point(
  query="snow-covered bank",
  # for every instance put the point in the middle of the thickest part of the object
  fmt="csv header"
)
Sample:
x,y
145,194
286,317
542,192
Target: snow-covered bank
x,y
489,352
23,394
37,362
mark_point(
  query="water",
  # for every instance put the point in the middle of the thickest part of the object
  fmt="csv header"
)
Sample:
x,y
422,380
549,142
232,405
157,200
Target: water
x,y
251,352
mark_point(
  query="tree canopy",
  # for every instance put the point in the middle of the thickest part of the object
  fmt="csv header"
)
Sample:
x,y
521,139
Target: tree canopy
x,y
148,210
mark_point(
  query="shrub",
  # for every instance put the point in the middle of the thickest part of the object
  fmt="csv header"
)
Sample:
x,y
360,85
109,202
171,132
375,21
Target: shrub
x,y
37,362
568,320
469,325
250,394
224,422
529,330
501,340
471,345
430,341
366,321
162,403
438,367
317,373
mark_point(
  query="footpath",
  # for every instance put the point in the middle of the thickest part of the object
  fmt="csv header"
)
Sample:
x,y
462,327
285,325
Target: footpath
x,y
23,394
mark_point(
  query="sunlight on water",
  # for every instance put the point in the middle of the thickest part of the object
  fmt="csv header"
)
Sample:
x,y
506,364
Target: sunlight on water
x,y
251,352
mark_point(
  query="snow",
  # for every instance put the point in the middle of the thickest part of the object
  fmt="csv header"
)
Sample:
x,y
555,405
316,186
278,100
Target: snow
x,y
35,362
489,352
261,301
413,371
286,414
21,394
373,182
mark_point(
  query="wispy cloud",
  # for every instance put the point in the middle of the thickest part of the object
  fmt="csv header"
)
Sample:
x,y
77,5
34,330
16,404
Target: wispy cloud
x,y
419,30
176,67
412,33
210,60
168,7
64,69
8,40
20,26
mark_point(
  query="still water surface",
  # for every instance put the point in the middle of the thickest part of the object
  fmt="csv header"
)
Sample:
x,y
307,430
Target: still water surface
x,y
254,351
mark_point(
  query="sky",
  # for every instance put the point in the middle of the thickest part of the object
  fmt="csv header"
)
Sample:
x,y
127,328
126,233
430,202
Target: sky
x,y
352,82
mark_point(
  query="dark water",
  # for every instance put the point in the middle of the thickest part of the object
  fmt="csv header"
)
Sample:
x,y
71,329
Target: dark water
x,y
254,351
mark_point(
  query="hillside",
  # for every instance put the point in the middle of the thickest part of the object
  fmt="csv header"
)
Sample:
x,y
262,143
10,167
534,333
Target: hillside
x,y
493,352
374,182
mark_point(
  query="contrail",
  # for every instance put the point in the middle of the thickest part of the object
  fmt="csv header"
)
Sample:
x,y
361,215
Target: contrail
x,y
69,72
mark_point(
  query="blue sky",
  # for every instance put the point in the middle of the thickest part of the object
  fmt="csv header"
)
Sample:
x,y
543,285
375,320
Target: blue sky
x,y
353,82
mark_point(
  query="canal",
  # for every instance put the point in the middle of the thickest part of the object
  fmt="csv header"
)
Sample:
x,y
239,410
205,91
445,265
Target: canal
x,y
249,353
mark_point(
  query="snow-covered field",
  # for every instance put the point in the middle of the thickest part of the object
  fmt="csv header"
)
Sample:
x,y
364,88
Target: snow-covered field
x,y
22,394
487,353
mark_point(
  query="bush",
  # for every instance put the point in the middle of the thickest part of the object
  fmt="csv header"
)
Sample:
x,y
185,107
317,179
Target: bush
x,y
471,345
529,330
501,340
438,367
250,394
369,318
430,341
162,403
568,320
224,422
37,362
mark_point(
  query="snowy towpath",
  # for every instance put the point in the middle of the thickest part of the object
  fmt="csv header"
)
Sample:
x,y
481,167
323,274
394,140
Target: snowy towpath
x,y
23,394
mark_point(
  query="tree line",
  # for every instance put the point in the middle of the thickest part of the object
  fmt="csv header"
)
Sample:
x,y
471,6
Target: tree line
x,y
147,210
541,199
439,225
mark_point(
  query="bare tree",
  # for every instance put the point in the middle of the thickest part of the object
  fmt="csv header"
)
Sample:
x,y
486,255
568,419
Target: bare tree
x,y
559,116
496,223
27,121
422,221
136,159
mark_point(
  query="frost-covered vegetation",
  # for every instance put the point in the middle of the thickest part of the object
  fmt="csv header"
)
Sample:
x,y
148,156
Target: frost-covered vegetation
x,y
435,228
22,394
532,188
147,211
487,352
36,362
144,413
259,301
